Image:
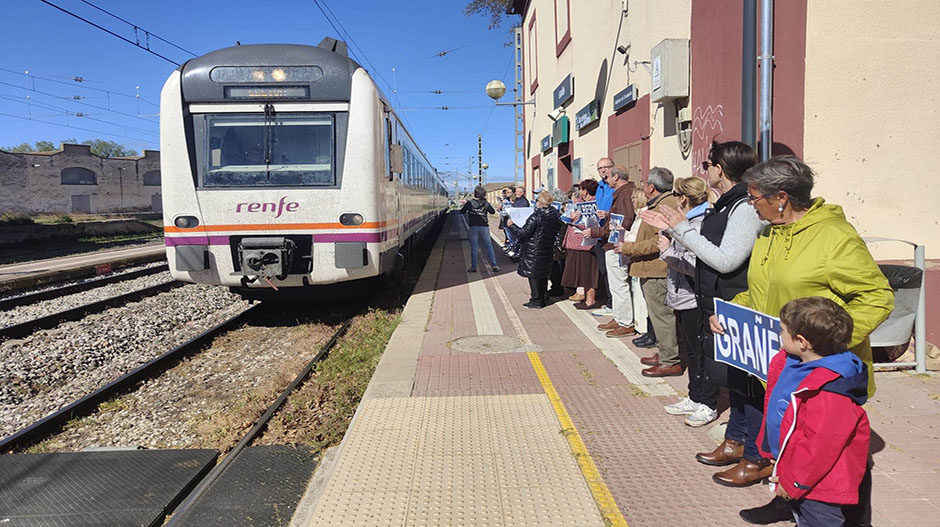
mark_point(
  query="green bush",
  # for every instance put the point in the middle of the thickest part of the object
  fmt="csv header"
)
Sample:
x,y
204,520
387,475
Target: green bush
x,y
62,218
15,218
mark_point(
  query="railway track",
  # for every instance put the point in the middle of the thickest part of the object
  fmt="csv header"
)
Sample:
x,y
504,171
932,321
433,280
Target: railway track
x,y
27,327
181,512
87,404
48,294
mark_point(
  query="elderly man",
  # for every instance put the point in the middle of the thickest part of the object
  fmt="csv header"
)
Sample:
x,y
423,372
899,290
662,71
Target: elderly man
x,y
604,198
618,282
646,265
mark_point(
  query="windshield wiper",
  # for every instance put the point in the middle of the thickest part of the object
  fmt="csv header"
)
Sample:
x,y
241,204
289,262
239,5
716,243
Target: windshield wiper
x,y
269,119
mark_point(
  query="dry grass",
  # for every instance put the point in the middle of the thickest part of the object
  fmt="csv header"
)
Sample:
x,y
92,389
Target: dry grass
x,y
318,413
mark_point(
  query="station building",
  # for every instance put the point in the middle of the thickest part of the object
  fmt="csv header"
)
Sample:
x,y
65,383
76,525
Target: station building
x,y
73,180
653,82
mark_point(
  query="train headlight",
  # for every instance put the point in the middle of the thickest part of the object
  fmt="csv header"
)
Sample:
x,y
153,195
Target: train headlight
x,y
278,75
186,222
257,75
351,219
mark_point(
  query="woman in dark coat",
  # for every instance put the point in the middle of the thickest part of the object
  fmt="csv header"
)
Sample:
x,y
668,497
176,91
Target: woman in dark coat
x,y
537,237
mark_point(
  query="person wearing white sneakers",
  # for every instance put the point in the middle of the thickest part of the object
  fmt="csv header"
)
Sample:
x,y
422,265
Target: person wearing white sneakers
x,y
692,197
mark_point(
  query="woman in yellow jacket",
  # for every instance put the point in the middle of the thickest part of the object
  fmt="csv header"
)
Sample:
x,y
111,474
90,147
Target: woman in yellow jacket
x,y
809,249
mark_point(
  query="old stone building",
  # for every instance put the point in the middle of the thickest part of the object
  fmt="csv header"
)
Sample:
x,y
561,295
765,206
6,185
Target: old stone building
x,y
73,180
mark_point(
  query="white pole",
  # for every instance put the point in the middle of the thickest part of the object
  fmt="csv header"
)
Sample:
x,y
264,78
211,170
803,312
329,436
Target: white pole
x,y
766,77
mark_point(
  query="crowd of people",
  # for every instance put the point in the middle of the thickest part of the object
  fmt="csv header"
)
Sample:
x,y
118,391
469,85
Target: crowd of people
x,y
749,233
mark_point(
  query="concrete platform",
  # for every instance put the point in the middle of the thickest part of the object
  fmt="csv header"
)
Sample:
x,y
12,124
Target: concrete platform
x,y
548,422
31,274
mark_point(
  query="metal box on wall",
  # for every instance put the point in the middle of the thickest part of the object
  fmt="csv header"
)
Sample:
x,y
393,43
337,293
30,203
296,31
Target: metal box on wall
x,y
670,61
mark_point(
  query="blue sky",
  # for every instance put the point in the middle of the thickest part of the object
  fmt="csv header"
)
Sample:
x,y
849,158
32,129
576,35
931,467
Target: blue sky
x,y
406,36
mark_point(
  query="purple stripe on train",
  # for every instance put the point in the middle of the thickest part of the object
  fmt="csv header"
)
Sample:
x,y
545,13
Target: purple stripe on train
x,y
368,237
196,240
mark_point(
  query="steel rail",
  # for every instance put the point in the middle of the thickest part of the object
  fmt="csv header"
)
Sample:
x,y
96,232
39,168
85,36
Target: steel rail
x,y
9,303
77,313
89,403
186,506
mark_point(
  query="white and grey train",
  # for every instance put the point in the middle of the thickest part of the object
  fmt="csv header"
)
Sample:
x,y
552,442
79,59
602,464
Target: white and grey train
x,y
284,166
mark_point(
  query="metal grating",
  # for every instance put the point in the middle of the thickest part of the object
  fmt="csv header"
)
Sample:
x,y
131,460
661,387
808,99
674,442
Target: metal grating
x,y
114,488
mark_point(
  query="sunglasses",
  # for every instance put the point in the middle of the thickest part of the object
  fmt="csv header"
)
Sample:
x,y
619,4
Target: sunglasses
x,y
706,164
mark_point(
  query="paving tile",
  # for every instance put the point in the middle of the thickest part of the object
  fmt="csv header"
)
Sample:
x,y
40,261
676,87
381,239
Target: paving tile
x,y
479,443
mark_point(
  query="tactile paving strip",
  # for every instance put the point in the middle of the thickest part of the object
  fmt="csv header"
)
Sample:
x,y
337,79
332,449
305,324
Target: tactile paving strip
x,y
474,460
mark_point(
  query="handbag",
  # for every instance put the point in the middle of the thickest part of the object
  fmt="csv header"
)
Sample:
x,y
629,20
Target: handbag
x,y
573,241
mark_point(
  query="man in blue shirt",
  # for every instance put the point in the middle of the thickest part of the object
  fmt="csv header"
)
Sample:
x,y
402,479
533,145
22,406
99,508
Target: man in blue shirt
x,y
604,198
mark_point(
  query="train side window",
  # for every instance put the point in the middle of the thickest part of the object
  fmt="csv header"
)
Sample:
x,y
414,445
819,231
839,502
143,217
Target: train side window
x,y
388,149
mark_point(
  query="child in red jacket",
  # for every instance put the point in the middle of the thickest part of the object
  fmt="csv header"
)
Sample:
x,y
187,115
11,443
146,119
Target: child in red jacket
x,y
814,425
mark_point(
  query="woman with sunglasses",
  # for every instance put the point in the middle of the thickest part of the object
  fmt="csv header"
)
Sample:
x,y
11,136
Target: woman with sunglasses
x,y
722,250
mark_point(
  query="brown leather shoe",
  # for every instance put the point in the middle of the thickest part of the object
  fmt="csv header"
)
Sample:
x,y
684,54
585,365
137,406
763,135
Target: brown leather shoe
x,y
652,360
577,297
607,326
621,331
662,371
744,474
728,452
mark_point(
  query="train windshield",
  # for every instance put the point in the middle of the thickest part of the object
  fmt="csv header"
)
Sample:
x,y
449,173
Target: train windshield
x,y
269,150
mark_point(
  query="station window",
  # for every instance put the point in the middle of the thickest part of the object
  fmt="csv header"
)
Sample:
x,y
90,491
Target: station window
x,y
78,176
562,25
152,178
532,54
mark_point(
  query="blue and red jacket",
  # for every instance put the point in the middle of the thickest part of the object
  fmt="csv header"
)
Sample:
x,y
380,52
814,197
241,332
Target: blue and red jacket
x,y
824,434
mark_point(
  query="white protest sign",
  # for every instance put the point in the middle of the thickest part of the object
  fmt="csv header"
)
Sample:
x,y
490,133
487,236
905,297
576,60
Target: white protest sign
x,y
518,215
751,338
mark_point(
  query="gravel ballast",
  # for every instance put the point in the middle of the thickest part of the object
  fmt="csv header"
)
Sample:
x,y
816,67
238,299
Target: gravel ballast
x,y
22,314
52,368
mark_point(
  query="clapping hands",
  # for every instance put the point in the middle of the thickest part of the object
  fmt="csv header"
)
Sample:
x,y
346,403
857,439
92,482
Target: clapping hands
x,y
663,217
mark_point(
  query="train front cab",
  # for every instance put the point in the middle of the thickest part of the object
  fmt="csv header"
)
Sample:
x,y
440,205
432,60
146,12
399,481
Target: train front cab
x,y
285,178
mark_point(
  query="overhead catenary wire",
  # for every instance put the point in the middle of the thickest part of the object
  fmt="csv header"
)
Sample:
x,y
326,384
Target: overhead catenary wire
x,y
136,27
321,4
101,90
66,113
112,33
145,141
512,58
78,102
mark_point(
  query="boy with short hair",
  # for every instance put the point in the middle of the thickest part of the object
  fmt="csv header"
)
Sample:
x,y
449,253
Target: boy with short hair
x,y
814,425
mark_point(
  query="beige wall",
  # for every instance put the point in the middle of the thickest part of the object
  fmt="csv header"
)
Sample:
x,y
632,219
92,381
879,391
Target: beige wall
x,y
32,183
872,116
597,28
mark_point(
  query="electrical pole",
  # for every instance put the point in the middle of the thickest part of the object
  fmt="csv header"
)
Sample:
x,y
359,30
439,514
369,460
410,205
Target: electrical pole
x,y
519,109
480,158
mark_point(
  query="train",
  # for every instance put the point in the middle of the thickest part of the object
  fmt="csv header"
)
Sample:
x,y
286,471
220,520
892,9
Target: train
x,y
284,167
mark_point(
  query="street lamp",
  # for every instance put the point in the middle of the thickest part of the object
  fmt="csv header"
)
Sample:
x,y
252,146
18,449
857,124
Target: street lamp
x,y
496,89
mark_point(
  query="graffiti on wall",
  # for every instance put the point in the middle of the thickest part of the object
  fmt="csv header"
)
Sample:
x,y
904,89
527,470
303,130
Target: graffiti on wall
x,y
706,125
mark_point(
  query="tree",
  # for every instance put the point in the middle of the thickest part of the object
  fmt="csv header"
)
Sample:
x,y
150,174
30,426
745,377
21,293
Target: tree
x,y
494,9
99,147
103,148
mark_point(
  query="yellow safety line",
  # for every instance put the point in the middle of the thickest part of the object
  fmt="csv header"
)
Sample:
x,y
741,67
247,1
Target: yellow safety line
x,y
602,496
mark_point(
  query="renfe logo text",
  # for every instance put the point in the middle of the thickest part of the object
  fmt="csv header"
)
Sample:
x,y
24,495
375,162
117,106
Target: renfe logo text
x,y
277,208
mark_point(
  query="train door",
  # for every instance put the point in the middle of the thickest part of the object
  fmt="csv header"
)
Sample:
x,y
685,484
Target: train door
x,y
393,163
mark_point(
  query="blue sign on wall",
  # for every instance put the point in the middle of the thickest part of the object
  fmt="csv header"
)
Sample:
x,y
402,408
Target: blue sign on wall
x,y
586,115
625,97
564,91
751,338
547,143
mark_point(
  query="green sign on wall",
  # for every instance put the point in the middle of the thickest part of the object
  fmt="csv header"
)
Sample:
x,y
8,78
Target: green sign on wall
x,y
560,130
